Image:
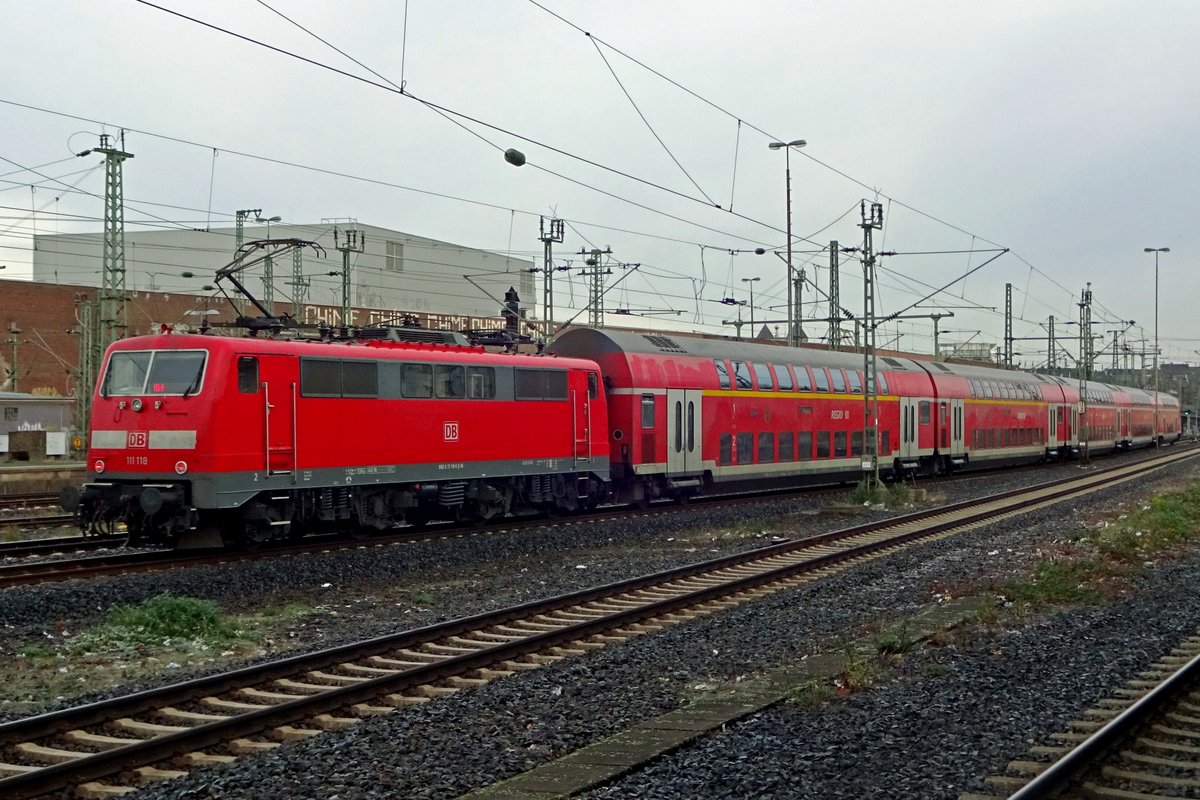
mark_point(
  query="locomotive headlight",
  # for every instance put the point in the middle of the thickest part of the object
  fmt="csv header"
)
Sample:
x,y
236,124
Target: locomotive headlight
x,y
136,404
180,467
99,466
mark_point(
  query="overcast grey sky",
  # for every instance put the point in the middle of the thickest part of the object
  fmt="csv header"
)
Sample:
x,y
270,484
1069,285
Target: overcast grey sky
x,y
1065,131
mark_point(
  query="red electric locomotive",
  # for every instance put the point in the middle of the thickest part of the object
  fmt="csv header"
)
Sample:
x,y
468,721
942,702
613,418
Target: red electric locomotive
x,y
207,439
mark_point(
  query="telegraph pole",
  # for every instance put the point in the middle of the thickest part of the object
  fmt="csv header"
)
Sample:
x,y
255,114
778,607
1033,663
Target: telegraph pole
x,y
834,338
551,234
353,241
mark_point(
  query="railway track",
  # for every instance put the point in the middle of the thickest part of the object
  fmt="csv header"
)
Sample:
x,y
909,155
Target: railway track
x,y
33,572
1139,744
28,500
57,545
100,749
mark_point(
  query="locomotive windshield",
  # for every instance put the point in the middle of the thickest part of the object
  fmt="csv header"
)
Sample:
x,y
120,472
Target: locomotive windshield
x,y
154,372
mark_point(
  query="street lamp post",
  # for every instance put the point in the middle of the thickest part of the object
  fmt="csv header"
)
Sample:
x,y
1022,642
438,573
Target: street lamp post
x,y
751,282
1156,251
793,337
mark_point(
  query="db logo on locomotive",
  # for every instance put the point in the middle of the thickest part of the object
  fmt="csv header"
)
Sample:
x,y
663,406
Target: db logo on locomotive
x,y
450,431
136,439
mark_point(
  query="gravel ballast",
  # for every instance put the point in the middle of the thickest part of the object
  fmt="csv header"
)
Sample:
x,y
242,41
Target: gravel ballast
x,y
933,734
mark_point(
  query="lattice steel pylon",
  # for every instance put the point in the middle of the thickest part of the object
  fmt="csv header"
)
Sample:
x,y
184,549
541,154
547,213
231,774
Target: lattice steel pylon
x,y
870,456
112,287
834,338
595,272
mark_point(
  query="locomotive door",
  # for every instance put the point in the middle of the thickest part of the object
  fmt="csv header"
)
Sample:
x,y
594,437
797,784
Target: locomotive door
x,y
581,412
683,431
278,375
908,427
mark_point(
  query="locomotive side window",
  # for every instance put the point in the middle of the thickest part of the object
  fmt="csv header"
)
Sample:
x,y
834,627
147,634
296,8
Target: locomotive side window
x,y
742,373
593,385
803,381
839,381
416,380
763,373
247,371
320,377
541,384
722,374
822,379
556,384
448,381
785,377
647,411
481,382
804,446
360,378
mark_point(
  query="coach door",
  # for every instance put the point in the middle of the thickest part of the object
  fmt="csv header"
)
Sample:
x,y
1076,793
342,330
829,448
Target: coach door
x,y
908,428
277,377
957,438
1052,426
683,431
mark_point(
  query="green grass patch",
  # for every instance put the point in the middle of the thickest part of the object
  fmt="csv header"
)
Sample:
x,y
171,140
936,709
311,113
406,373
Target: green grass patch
x,y
811,695
161,621
1056,583
896,640
895,496
1167,522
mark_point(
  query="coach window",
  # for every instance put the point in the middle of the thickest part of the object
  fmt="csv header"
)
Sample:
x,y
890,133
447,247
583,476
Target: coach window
x,y
821,378
726,455
722,374
784,376
787,446
803,380
822,444
416,380
745,448
882,384
247,368
763,373
855,381
741,373
885,443
804,445
839,444
481,382
448,381
856,443
839,381
360,378
647,411
766,447
320,377
924,412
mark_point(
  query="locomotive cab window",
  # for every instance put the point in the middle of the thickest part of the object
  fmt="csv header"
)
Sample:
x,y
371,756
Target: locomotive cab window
x,y
247,374
158,372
